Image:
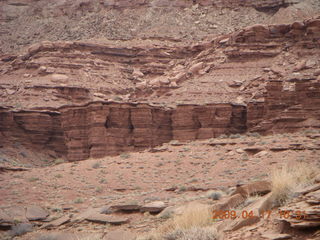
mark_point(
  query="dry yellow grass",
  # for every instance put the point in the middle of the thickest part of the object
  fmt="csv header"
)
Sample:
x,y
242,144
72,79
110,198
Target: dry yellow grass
x,y
290,178
195,223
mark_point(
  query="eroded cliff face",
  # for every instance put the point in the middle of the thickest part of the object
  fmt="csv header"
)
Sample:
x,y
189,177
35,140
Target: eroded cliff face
x,y
100,129
262,78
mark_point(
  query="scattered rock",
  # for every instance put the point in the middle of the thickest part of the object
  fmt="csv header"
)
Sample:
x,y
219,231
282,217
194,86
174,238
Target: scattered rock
x,y
12,214
276,236
317,72
257,207
129,206
10,91
83,215
153,207
56,223
230,202
300,66
261,154
173,84
59,78
20,229
251,189
35,213
102,218
310,63
305,210
223,41
195,68
141,85
137,73
100,95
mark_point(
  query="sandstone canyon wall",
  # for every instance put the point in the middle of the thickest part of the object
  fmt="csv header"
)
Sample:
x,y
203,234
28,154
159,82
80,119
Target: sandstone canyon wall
x,y
100,129
288,98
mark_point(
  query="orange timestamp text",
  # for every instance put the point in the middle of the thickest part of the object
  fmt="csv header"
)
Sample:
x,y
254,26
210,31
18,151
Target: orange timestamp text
x,y
233,214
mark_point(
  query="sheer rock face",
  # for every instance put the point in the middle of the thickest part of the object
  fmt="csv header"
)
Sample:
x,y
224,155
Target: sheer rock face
x,y
100,129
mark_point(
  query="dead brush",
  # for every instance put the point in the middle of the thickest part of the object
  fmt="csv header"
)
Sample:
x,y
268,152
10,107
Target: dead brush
x,y
288,179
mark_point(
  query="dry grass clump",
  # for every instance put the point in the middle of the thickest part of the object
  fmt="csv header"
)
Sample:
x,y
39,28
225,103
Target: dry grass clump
x,y
195,223
195,233
289,179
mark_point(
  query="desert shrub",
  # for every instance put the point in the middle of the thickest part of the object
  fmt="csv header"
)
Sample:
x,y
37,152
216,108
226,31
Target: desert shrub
x,y
20,229
96,165
195,233
215,195
289,179
195,223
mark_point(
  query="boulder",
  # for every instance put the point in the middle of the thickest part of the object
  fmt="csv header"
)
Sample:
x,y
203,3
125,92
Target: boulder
x,y
56,223
153,207
257,209
128,206
137,73
36,213
229,203
259,187
195,68
300,66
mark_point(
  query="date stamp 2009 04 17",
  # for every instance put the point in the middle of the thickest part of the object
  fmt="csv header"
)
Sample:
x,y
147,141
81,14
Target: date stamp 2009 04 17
x,y
232,214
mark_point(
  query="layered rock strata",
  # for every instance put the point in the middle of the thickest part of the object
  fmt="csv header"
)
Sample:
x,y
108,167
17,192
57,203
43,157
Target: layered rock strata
x,y
100,129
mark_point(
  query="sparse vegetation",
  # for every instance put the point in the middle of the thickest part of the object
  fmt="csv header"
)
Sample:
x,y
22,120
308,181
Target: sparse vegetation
x,y
20,229
59,161
290,178
125,155
215,195
195,223
78,200
96,165
33,179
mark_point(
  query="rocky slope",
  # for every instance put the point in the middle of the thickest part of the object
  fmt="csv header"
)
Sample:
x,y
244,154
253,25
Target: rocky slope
x,y
138,19
49,102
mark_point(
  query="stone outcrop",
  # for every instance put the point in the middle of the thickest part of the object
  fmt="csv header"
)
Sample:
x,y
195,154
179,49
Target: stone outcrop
x,y
100,129
81,127
304,212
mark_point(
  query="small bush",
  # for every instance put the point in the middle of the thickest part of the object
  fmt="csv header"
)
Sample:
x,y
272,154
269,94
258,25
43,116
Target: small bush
x,y
33,179
195,233
96,165
59,161
125,155
195,223
20,229
290,178
78,200
215,195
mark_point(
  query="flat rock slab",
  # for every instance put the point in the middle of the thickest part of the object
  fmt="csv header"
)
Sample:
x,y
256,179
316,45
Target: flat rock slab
x,y
255,188
12,214
36,213
153,207
56,223
276,236
102,218
126,207
83,215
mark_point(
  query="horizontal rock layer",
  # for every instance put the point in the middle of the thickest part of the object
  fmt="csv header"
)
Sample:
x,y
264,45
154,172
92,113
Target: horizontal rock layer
x,y
100,129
